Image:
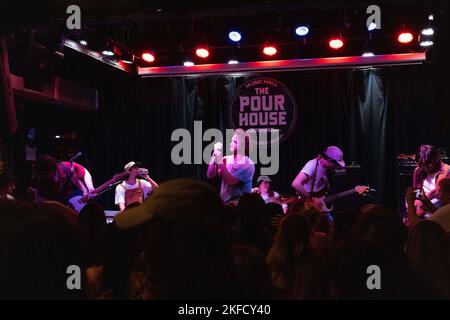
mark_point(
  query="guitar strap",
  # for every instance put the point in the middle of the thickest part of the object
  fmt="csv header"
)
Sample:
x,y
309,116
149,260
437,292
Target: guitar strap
x,y
314,177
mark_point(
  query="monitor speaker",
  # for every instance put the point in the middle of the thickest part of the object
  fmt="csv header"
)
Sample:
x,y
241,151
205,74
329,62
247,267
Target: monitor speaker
x,y
344,179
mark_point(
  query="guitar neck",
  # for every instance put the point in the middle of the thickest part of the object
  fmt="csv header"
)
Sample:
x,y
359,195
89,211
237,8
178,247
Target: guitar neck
x,y
340,195
104,186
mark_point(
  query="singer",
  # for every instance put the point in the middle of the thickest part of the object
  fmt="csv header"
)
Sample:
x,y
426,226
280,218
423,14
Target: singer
x,y
236,170
134,190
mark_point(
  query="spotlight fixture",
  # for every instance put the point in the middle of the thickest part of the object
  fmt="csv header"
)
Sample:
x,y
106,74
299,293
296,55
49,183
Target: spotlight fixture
x,y
336,43
148,57
269,50
233,61
302,31
202,52
426,43
427,31
188,63
108,53
83,42
372,26
235,36
405,37
108,49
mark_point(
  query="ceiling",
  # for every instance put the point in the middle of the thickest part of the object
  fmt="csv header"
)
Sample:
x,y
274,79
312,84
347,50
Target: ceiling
x,y
172,30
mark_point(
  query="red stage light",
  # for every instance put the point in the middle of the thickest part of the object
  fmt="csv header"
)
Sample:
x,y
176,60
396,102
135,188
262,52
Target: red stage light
x,y
405,37
202,53
148,57
336,43
270,50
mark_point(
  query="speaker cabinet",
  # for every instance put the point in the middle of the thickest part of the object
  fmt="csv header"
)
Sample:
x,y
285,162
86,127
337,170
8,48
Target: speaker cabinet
x,y
344,179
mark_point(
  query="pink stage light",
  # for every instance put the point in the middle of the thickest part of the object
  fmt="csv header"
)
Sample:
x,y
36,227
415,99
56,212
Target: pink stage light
x,y
270,50
405,37
202,53
336,43
148,57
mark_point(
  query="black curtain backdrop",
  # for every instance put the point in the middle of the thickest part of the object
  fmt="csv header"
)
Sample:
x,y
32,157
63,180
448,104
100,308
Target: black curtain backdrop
x,y
372,114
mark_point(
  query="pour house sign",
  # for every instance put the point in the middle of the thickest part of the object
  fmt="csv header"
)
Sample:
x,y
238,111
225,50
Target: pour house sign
x,y
264,103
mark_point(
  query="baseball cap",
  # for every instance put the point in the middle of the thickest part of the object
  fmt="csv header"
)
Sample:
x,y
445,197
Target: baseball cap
x,y
182,201
335,154
129,165
263,178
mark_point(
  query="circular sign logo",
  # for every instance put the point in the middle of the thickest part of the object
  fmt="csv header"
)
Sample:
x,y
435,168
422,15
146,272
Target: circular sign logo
x,y
264,104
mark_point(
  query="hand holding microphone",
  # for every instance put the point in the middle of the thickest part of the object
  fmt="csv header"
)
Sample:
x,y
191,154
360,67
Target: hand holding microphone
x,y
217,152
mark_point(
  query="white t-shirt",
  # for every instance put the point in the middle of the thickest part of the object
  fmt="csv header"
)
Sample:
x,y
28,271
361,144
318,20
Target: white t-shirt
x,y
321,178
442,216
267,198
429,184
276,195
244,169
120,190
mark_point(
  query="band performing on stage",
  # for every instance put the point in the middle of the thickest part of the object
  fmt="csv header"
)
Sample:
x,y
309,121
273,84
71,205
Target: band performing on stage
x,y
248,150
71,184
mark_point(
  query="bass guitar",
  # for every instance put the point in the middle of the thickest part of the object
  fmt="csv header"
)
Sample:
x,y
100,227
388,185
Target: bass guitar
x,y
78,202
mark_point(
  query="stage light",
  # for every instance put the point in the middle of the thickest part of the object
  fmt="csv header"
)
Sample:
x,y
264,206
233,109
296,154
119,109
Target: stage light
x,y
368,54
405,37
188,63
336,43
107,53
84,42
232,61
430,17
302,31
128,60
202,52
427,31
426,43
148,57
235,36
57,137
270,50
372,26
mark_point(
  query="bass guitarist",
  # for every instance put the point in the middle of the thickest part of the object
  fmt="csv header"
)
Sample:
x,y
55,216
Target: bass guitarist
x,y
61,180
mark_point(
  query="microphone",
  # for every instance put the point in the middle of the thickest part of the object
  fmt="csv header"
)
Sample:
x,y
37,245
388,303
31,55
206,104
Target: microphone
x,y
79,154
217,149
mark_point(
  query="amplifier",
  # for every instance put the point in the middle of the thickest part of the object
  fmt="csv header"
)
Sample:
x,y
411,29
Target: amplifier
x,y
343,179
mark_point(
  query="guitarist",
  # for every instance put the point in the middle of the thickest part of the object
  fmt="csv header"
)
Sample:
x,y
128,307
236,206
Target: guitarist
x,y
60,180
430,171
314,177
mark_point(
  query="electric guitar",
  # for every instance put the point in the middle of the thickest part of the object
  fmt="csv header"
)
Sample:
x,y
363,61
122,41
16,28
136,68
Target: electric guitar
x,y
321,200
324,202
78,202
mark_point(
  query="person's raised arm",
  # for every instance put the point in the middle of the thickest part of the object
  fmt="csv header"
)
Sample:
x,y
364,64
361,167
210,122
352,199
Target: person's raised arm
x,y
152,182
211,173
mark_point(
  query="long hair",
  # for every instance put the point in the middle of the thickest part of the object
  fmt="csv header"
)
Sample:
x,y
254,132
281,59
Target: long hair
x,y
290,256
426,154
